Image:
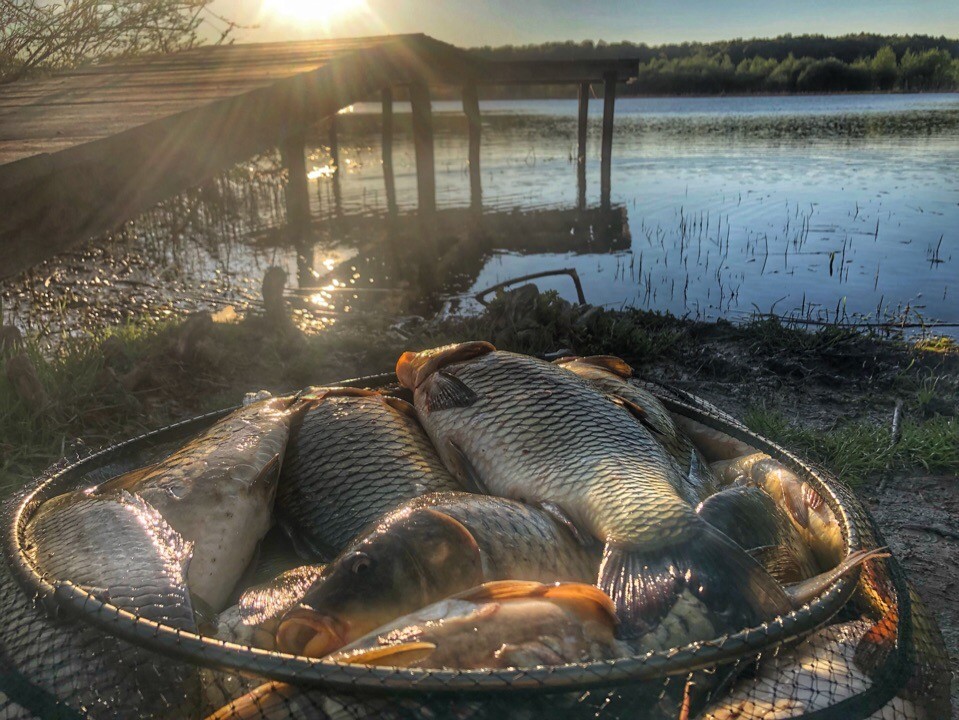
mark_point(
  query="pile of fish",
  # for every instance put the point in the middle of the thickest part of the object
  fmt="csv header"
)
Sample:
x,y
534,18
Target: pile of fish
x,y
518,513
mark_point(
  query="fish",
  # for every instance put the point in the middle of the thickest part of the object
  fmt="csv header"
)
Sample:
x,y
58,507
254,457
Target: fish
x,y
812,517
753,520
425,550
819,673
217,491
356,455
121,550
613,376
522,428
501,624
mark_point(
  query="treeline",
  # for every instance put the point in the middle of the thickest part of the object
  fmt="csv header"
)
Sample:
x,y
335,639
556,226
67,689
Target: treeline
x,y
786,64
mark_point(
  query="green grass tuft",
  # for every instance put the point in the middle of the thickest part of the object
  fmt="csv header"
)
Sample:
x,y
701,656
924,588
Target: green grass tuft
x,y
858,451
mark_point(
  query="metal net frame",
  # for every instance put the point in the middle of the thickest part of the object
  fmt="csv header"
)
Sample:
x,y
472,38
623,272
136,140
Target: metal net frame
x,y
731,652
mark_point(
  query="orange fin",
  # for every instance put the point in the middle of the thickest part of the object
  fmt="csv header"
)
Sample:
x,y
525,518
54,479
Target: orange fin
x,y
504,590
399,655
414,367
615,365
258,703
583,593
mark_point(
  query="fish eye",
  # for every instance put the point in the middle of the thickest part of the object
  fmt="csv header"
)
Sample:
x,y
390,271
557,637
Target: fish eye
x,y
360,563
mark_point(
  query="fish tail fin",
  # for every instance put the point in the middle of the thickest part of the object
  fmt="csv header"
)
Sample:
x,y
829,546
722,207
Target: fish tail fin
x,y
723,586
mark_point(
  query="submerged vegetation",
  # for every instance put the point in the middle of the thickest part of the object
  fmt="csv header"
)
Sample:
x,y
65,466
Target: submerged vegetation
x,y
836,386
786,64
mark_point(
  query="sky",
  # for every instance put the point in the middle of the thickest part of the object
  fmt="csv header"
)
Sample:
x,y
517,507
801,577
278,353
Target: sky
x,y
470,23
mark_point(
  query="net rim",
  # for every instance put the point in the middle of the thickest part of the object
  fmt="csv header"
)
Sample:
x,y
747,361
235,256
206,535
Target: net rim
x,y
64,597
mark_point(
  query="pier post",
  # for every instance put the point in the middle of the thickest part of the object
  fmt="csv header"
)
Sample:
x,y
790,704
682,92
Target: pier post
x,y
423,146
472,112
581,144
387,143
297,186
606,161
335,159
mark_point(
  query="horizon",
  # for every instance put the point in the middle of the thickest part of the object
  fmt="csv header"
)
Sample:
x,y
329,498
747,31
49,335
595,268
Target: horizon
x,y
654,22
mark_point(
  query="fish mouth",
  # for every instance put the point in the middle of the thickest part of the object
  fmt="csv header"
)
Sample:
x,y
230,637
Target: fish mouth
x,y
303,631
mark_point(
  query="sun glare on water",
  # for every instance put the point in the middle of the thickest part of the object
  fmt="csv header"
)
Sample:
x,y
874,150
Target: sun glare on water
x,y
311,11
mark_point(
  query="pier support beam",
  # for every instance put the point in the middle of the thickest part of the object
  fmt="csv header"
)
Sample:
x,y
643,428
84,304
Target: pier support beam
x,y
581,144
335,160
293,153
606,162
423,147
472,112
388,178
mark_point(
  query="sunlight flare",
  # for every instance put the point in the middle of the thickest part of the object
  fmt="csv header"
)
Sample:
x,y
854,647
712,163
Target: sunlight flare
x,y
312,11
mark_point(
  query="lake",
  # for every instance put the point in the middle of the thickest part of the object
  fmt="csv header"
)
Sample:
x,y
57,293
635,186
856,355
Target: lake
x,y
815,206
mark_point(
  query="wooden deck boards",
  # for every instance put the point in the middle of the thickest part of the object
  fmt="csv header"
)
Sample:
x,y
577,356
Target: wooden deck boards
x,y
85,150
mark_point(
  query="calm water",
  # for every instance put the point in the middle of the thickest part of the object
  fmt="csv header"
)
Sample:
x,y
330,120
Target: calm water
x,y
722,206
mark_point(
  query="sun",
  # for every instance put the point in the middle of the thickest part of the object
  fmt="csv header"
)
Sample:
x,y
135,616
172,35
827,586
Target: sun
x,y
311,11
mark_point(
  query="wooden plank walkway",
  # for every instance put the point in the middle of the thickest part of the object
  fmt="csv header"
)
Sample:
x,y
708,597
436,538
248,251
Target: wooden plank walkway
x,y
83,151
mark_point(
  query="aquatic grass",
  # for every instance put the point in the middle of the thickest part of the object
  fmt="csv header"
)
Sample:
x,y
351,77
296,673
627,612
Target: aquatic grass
x,y
861,451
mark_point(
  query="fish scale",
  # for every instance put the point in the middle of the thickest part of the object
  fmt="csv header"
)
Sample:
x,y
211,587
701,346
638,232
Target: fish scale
x,y
353,459
526,429
121,547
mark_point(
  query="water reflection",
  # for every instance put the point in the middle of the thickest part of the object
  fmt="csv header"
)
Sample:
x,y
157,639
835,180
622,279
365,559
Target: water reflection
x,y
819,206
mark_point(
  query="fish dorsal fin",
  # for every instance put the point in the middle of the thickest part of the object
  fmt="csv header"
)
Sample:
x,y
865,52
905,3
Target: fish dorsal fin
x,y
566,359
395,655
448,392
414,367
401,406
504,590
611,363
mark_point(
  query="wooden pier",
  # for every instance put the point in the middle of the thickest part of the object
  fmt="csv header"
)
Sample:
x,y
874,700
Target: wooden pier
x,y
84,151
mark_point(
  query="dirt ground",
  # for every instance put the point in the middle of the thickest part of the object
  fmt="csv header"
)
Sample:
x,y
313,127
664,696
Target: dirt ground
x,y
919,517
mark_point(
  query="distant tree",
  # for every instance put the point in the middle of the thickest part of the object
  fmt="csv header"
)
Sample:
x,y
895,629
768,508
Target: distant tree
x,y
929,70
41,35
885,69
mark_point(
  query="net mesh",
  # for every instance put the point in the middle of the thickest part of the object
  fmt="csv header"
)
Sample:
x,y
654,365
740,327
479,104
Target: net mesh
x,y
865,649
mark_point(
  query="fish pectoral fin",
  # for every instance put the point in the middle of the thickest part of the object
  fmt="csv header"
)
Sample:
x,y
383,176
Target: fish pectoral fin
x,y
585,598
780,561
268,476
638,412
463,469
733,590
560,515
258,703
395,655
448,392
504,590
802,592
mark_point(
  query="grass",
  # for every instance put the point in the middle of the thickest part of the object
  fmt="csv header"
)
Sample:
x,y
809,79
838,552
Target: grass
x,y
858,451
140,376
